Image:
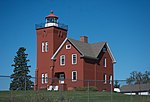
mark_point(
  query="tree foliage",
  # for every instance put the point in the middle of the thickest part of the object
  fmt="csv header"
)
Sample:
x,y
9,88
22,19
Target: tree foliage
x,y
116,84
139,78
20,78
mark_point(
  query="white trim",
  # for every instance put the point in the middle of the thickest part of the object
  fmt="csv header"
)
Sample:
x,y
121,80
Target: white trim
x,y
109,51
77,48
105,78
43,46
62,57
110,79
68,47
75,57
53,57
111,55
105,62
46,46
43,78
46,78
73,76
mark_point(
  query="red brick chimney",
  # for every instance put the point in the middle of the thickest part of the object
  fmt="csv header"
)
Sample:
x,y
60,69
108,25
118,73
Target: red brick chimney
x,y
84,39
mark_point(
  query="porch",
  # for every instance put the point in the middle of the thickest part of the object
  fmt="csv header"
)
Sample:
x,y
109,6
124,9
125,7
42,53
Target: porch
x,y
58,83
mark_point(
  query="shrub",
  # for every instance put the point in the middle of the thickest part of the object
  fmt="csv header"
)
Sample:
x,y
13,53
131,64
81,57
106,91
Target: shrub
x,y
91,88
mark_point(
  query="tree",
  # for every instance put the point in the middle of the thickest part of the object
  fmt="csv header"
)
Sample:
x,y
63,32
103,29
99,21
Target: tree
x,y
139,78
20,78
116,84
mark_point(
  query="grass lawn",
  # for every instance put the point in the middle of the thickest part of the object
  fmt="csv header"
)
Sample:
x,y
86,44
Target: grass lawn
x,y
68,96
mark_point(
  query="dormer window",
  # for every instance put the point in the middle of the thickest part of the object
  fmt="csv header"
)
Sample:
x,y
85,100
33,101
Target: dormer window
x,y
68,46
104,49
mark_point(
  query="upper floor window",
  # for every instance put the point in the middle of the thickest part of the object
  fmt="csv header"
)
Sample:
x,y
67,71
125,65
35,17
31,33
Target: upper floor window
x,y
62,60
105,79
43,78
43,47
46,78
105,62
68,46
74,75
74,58
46,46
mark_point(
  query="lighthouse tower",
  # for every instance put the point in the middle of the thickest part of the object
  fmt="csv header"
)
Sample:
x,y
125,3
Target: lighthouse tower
x,y
50,36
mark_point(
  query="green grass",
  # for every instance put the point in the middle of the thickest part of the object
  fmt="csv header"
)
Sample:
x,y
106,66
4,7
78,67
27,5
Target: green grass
x,y
68,96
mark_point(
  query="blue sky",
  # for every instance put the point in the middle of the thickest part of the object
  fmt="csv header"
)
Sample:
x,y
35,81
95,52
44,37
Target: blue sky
x,y
124,24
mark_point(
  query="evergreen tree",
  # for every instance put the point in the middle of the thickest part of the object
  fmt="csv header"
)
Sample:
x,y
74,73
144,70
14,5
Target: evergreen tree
x,y
20,78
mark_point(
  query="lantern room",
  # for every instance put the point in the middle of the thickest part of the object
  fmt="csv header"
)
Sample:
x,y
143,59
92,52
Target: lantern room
x,y
51,20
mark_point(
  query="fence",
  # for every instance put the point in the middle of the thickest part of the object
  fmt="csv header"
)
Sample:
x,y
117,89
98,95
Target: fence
x,y
68,90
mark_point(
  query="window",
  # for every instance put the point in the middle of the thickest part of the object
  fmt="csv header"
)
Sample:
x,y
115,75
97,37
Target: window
x,y
74,75
68,46
62,60
43,78
104,49
110,78
105,62
46,46
42,46
105,79
46,78
74,58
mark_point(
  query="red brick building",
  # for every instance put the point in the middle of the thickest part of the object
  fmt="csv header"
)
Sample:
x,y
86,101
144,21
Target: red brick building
x,y
68,62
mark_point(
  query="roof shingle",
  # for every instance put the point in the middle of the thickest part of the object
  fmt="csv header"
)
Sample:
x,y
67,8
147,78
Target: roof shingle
x,y
88,50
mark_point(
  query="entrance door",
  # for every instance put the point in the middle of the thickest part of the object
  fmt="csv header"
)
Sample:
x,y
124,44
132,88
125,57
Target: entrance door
x,y
61,78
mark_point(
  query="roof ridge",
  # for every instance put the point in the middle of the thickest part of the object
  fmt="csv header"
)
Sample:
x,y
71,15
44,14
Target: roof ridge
x,y
98,42
79,41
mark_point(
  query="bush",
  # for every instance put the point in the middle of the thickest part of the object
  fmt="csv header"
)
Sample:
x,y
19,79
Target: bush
x,y
91,88
81,89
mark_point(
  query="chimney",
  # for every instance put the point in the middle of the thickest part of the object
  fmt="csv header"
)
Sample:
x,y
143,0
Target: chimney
x,y
84,39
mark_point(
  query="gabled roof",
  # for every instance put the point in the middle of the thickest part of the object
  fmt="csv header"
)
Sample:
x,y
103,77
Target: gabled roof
x,y
86,50
135,88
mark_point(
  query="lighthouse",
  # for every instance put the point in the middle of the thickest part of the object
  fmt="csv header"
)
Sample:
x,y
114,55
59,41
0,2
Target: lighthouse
x,y
50,36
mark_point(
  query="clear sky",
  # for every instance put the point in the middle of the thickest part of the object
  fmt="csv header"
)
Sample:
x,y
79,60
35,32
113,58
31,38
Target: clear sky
x,y
124,24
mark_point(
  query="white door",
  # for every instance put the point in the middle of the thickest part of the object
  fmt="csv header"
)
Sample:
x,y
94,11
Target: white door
x,y
61,78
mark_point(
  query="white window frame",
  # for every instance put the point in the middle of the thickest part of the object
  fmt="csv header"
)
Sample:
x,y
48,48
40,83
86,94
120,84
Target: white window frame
x,y
73,59
73,76
61,60
68,45
46,46
105,78
105,62
43,46
110,79
46,78
43,78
